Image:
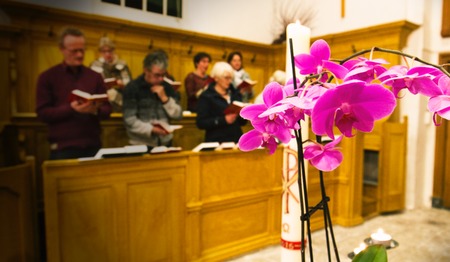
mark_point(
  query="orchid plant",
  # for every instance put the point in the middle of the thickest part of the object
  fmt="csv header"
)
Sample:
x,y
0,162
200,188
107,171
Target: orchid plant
x,y
350,95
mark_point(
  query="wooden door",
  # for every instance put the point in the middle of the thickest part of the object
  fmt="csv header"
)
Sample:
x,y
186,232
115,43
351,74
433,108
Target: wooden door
x,y
441,181
393,167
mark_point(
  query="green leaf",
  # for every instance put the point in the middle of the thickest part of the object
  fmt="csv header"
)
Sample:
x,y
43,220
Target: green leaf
x,y
374,253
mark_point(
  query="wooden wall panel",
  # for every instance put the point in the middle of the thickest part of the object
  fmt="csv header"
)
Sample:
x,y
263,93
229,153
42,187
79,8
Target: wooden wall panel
x,y
148,209
128,209
39,29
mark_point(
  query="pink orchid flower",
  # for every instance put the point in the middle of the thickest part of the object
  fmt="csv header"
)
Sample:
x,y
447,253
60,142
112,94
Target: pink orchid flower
x,y
267,127
318,61
366,70
254,139
324,157
440,104
354,104
419,79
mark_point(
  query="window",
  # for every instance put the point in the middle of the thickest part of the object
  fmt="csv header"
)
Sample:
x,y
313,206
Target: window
x,y
116,2
174,8
155,6
134,4
164,7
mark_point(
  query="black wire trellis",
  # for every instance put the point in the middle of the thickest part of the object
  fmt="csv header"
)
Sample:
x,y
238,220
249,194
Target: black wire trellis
x,y
305,209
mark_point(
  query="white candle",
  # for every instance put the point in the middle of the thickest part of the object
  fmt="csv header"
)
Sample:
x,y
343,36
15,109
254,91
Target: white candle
x,y
361,247
381,238
300,36
291,224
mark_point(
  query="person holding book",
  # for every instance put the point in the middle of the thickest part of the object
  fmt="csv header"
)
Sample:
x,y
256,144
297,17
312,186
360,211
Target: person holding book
x,y
115,71
213,114
235,60
73,124
149,103
195,82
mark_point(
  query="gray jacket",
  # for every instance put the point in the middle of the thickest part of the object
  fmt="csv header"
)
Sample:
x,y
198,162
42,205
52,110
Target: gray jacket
x,y
141,107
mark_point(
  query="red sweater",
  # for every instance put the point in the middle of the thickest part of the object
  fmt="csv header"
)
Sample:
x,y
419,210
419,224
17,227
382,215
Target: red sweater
x,y
68,128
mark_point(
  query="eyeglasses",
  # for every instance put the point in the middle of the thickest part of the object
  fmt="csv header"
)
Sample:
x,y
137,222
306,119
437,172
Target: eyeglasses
x,y
74,51
156,75
228,78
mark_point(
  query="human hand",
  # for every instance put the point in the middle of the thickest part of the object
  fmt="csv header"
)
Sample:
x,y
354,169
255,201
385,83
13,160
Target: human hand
x,y
159,131
120,83
85,107
230,118
159,91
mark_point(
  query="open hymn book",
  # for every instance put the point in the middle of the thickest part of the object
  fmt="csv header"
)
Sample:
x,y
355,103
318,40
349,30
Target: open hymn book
x,y
131,150
111,83
175,84
234,107
167,127
214,146
78,95
165,149
246,85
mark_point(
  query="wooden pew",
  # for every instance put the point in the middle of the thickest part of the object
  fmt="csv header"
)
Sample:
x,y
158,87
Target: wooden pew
x,y
169,207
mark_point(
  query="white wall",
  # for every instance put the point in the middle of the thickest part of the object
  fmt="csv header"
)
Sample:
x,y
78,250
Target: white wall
x,y
257,21
242,19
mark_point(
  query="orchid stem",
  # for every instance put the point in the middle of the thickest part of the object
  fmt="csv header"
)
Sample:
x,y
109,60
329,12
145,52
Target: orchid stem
x,y
390,51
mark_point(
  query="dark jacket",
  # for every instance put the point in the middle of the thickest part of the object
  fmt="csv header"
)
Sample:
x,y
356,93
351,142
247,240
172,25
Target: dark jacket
x,y
211,117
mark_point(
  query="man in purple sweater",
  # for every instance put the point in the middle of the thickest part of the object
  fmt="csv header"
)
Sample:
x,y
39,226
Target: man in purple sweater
x,y
74,126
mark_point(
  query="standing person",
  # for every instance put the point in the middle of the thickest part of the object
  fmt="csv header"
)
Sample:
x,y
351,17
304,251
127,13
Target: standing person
x,y
235,60
74,127
169,78
111,67
220,127
148,100
195,82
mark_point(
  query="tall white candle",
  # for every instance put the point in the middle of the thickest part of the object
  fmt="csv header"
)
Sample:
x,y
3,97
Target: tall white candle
x,y
300,36
291,225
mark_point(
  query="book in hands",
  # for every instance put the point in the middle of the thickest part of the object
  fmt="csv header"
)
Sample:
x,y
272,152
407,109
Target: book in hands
x,y
175,84
167,127
164,149
234,108
81,96
111,83
246,85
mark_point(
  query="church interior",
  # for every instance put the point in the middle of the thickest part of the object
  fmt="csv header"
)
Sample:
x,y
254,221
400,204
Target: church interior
x,y
195,206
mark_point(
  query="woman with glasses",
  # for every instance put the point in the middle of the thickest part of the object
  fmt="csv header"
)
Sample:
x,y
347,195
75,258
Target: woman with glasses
x,y
212,115
114,71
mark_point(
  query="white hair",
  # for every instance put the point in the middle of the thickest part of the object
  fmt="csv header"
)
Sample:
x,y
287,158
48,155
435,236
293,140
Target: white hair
x,y
279,77
220,68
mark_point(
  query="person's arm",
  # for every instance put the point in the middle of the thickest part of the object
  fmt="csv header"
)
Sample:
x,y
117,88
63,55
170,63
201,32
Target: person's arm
x,y
170,103
132,122
190,86
125,74
207,119
48,109
104,110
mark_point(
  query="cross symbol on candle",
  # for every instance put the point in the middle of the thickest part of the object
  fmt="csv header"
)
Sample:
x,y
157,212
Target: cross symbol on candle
x,y
287,181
